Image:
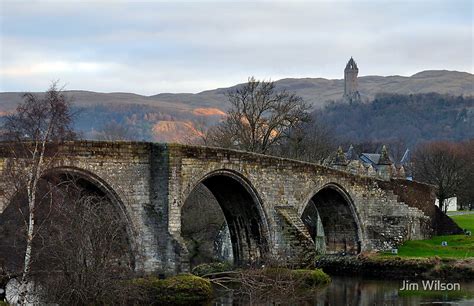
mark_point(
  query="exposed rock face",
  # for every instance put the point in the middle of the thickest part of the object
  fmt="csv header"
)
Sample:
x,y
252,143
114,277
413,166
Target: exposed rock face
x,y
142,113
175,131
200,111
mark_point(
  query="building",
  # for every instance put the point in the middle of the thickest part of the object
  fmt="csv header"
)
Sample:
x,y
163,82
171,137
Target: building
x,y
380,165
451,204
351,91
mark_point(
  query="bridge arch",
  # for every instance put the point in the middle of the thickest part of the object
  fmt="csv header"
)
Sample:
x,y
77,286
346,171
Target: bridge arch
x,y
97,182
243,212
332,220
12,241
94,181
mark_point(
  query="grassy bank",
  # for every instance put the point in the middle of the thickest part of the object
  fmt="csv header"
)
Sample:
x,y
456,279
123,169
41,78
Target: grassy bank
x,y
459,246
465,221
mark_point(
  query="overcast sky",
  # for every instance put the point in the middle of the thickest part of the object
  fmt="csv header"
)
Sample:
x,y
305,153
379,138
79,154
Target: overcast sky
x,y
150,47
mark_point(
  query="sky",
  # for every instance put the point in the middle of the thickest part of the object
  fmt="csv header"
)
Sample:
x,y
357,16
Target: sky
x,y
150,47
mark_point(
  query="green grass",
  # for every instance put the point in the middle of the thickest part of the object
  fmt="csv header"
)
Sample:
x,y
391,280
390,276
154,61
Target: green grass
x,y
459,246
465,221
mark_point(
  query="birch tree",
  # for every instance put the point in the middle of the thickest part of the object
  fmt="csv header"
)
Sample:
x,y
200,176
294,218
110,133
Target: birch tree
x,y
33,134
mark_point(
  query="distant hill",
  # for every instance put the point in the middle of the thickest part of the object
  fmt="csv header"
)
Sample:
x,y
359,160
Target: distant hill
x,y
318,91
144,113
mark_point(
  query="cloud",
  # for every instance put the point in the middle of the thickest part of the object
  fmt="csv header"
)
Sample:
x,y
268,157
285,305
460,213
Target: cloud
x,y
150,47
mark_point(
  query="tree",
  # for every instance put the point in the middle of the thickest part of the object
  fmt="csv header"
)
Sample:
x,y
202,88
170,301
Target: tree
x,y
113,131
442,164
81,252
33,133
309,141
466,193
87,249
260,117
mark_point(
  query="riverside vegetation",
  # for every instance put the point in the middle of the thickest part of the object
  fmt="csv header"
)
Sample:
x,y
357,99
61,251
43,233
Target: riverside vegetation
x,y
458,246
415,259
199,289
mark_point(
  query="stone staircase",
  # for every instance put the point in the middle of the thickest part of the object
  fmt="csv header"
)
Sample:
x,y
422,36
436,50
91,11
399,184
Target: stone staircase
x,y
296,234
413,194
441,223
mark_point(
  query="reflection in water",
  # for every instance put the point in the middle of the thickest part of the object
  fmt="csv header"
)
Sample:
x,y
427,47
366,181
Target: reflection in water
x,y
358,292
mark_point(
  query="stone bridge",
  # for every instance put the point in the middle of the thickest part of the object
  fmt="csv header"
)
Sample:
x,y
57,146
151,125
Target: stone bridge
x,y
274,207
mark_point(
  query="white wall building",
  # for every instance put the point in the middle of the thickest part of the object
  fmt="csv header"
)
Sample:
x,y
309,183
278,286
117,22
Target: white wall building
x,y
451,203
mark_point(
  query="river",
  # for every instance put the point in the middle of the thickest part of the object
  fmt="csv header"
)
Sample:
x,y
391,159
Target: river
x,y
359,292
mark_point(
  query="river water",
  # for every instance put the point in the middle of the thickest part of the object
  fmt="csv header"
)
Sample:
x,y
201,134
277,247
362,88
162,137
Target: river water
x,y
359,292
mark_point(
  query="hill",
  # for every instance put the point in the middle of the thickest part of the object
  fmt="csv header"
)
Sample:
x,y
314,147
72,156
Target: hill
x,y
170,116
318,91
410,118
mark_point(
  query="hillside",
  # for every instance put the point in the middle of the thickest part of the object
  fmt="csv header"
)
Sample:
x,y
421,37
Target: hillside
x,y
408,118
318,91
170,116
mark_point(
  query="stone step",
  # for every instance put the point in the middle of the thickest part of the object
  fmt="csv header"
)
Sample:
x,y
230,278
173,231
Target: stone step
x,y
395,200
290,215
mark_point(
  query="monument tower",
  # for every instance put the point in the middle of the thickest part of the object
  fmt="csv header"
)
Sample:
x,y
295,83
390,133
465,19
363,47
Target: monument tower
x,y
351,93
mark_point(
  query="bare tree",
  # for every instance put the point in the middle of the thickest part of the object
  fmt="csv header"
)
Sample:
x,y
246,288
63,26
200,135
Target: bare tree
x,y
86,246
260,117
466,193
81,252
310,141
199,135
113,131
33,132
442,164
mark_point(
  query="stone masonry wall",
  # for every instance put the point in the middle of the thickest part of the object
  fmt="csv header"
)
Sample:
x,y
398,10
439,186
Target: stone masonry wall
x,y
152,181
384,221
123,168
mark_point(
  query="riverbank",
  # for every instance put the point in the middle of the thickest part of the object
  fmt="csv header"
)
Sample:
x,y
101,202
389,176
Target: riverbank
x,y
441,257
376,266
448,246
453,246
352,290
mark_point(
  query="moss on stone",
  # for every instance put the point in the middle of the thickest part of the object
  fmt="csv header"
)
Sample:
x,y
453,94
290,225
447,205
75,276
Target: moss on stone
x,y
311,278
179,289
210,268
305,277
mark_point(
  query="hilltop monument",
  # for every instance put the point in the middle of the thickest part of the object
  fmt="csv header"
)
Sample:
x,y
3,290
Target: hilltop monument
x,y
351,93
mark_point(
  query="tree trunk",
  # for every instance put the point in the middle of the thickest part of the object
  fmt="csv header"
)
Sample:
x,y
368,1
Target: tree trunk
x,y
33,180
442,204
29,245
